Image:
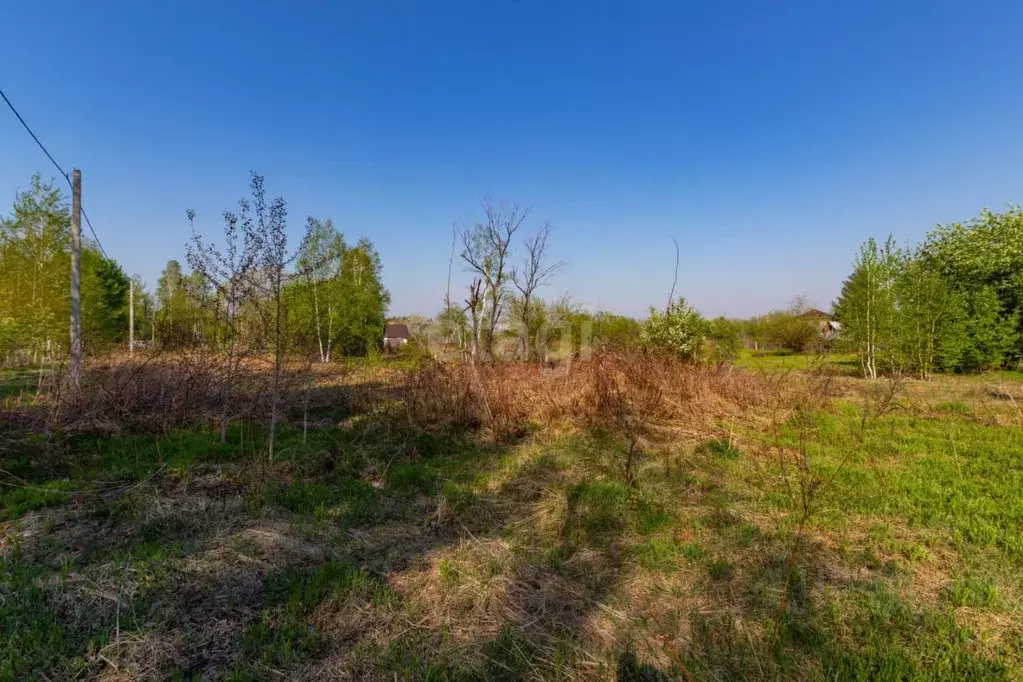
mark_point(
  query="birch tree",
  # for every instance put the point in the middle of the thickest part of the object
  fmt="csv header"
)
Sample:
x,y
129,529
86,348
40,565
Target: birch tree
x,y
319,264
866,306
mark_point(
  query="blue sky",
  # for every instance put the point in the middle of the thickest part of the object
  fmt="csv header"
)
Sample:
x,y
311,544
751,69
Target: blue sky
x,y
769,138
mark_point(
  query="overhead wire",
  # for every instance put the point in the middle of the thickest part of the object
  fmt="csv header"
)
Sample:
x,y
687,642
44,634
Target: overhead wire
x,y
46,151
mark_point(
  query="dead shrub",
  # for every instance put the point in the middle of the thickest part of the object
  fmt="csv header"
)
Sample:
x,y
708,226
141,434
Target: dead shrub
x,y
157,392
624,394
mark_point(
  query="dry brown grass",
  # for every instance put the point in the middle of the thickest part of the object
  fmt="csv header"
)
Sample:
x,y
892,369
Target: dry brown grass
x,y
511,556
624,394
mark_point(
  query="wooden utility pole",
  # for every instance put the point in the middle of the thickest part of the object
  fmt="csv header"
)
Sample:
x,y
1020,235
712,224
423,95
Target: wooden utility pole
x,y
131,316
75,364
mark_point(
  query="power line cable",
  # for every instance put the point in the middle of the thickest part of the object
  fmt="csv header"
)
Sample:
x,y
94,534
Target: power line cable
x,y
94,236
56,165
41,146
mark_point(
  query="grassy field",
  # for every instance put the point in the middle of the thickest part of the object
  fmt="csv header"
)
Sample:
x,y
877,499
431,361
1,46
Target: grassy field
x,y
747,524
783,360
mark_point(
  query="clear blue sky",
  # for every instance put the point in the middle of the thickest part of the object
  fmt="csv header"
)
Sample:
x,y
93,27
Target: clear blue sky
x,y
769,138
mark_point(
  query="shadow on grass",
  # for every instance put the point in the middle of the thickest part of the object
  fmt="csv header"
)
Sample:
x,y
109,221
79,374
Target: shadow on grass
x,y
370,550
175,555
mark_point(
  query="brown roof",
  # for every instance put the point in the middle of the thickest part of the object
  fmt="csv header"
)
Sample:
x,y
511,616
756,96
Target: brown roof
x,y
396,330
816,315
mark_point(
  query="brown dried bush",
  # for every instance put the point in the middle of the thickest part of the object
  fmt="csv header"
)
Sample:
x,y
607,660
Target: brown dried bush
x,y
626,394
157,392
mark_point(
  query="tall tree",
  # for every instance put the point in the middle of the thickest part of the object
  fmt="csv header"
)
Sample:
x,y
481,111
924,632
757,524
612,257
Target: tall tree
x,y
270,227
485,252
866,306
364,299
991,334
984,253
536,271
930,330
34,265
319,265
228,271
177,307
34,280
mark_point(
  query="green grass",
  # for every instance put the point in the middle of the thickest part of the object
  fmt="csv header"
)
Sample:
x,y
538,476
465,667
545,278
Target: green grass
x,y
602,511
783,360
15,501
37,634
666,554
962,478
282,635
976,592
719,448
17,383
395,554
349,501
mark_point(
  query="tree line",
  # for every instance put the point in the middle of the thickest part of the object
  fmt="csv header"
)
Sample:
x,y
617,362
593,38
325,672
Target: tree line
x,y
951,303
242,294
35,281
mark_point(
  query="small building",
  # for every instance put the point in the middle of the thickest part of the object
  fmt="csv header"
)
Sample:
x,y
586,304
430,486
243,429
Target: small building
x,y
828,327
396,335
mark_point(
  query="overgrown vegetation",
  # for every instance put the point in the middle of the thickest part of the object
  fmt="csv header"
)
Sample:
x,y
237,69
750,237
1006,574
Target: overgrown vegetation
x,y
636,517
244,499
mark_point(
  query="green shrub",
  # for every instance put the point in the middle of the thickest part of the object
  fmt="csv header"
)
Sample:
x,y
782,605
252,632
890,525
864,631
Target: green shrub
x,y
679,330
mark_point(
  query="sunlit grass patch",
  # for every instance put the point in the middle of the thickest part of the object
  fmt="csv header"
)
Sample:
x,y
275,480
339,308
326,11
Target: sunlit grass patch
x,y
973,591
349,501
666,554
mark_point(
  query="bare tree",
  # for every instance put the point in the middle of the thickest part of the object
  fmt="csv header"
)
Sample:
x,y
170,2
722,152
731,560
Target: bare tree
x,y
228,272
474,306
534,273
485,251
270,226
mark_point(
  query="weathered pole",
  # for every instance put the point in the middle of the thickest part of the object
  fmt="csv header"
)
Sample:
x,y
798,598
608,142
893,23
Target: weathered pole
x,y
75,364
131,316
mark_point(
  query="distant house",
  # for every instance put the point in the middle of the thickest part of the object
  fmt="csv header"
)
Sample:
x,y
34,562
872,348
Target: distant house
x,y
396,335
829,326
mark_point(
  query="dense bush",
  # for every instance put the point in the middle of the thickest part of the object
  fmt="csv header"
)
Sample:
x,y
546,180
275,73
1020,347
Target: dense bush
x,y
724,340
679,330
616,332
791,331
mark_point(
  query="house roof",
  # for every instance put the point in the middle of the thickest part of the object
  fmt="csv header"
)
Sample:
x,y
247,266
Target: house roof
x,y
396,330
816,315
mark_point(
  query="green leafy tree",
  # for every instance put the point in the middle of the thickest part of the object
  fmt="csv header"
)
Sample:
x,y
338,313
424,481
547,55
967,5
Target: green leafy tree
x,y
104,300
724,339
319,265
616,332
991,334
984,253
178,308
679,329
930,325
866,306
35,264
364,300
